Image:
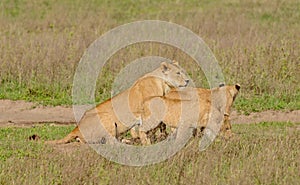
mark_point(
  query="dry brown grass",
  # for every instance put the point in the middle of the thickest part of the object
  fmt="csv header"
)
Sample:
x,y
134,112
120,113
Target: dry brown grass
x,y
256,44
265,153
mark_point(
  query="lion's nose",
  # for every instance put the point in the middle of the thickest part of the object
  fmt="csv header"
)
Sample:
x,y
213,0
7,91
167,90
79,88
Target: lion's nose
x,y
187,81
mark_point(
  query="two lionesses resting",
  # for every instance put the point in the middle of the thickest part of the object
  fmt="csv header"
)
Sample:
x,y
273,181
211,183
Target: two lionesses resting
x,y
158,101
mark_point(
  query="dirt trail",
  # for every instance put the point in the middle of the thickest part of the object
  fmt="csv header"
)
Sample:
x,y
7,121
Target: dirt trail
x,y
266,116
21,113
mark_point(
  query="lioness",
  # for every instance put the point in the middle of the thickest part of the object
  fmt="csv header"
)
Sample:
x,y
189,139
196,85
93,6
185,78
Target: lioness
x,y
193,107
127,106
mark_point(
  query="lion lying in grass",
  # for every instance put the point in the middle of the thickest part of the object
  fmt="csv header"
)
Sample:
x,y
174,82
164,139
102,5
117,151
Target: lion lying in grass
x,y
126,107
192,107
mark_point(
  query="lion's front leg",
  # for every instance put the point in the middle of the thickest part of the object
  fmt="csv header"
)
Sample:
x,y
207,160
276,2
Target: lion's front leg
x,y
226,128
144,138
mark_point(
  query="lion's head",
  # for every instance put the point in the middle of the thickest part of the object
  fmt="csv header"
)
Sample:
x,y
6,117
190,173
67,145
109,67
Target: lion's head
x,y
172,74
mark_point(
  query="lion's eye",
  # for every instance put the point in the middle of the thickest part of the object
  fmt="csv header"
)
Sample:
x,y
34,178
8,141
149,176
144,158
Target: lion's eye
x,y
178,73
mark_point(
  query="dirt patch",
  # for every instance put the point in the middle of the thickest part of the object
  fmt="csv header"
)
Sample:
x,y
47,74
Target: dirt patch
x,y
21,113
266,116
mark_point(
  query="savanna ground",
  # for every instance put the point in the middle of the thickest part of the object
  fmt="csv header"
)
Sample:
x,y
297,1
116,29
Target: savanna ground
x,y
255,42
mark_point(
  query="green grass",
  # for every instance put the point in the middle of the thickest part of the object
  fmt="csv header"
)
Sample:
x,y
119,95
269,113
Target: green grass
x,y
263,153
19,145
42,93
41,43
267,102
255,42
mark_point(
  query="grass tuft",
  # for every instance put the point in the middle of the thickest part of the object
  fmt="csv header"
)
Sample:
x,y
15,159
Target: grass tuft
x,y
265,153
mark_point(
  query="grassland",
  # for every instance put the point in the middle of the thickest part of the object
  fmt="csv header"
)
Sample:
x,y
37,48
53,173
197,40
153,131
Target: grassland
x,y
256,44
264,153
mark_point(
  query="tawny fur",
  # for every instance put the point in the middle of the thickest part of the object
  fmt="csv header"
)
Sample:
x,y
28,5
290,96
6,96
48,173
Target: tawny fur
x,y
193,107
129,105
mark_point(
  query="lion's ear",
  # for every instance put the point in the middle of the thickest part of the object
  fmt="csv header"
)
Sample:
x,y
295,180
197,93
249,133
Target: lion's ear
x,y
234,90
164,67
175,62
237,86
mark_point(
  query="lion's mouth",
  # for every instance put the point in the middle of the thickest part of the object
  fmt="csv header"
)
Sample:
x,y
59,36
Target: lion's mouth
x,y
186,84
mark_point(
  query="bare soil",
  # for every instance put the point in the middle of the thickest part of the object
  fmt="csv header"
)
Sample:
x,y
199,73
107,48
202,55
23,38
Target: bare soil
x,y
266,116
21,113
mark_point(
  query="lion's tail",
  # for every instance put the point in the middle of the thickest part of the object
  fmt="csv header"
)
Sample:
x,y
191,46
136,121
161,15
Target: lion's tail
x,y
72,136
